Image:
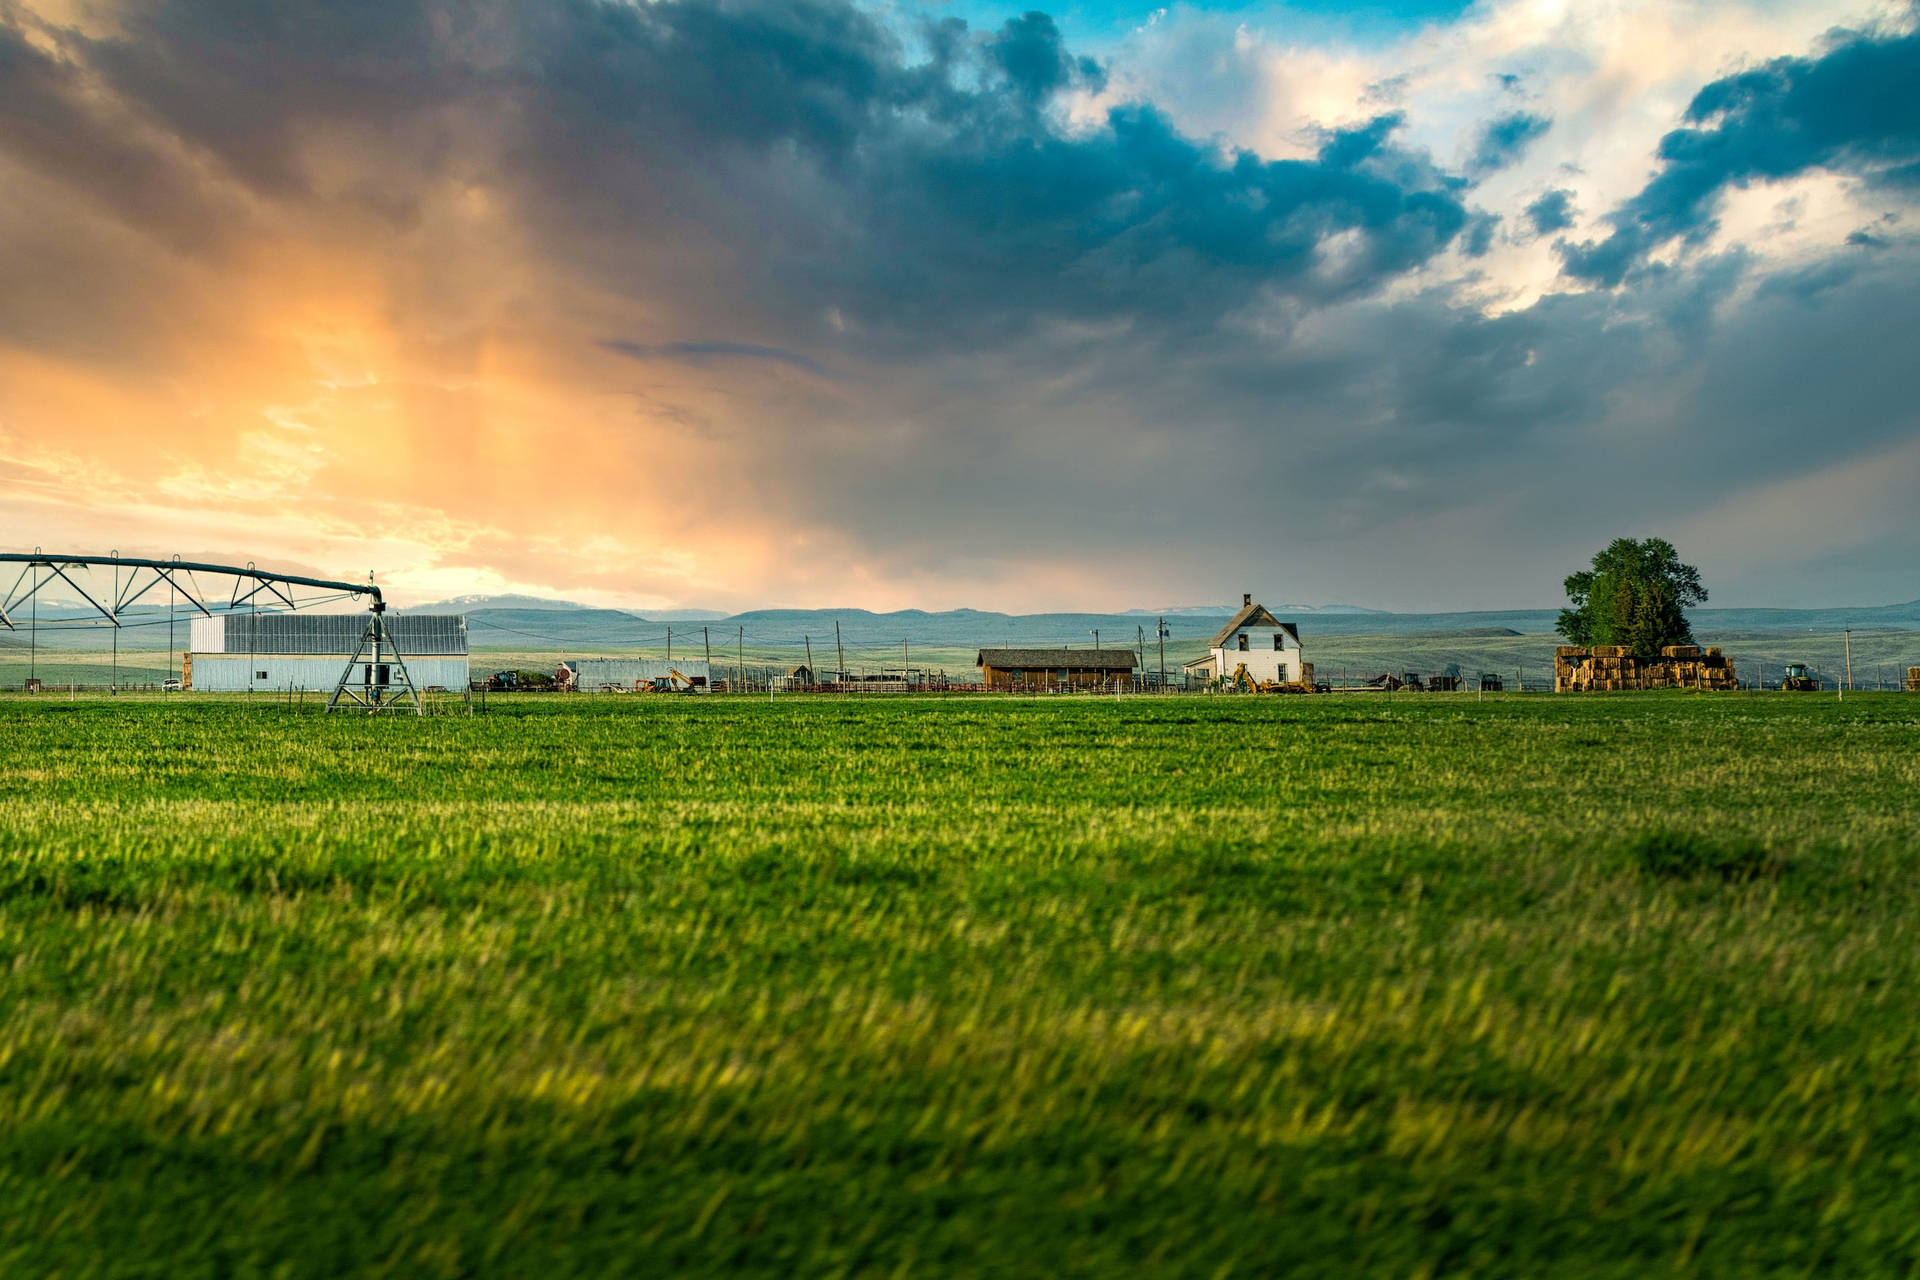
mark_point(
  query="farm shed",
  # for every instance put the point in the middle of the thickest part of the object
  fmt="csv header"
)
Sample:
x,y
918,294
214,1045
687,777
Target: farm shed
x,y
602,675
1268,648
1057,668
235,652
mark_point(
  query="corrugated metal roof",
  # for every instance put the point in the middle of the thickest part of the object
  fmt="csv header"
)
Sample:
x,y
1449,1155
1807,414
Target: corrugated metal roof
x,y
439,634
1072,659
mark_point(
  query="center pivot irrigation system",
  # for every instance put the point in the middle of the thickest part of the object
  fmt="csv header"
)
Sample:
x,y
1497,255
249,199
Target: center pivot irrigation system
x,y
134,580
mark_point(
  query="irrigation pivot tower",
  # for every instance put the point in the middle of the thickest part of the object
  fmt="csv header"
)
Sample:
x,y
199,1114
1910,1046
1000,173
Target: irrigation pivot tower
x,y
376,656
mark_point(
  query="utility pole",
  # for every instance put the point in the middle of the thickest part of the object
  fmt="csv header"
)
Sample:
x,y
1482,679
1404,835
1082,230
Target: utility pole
x,y
840,655
669,646
1161,628
810,671
740,655
706,645
906,664
1848,633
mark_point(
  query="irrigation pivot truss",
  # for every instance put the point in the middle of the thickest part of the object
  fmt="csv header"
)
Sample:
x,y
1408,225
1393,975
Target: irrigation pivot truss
x,y
135,580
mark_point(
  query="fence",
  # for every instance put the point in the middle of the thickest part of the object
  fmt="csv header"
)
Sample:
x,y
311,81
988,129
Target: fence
x,y
860,662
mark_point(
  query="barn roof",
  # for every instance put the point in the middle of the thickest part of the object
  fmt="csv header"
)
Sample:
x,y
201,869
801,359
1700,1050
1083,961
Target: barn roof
x,y
1254,615
1072,659
327,634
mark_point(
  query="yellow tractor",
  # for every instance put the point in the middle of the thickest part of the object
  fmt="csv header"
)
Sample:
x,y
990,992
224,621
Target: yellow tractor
x,y
1242,681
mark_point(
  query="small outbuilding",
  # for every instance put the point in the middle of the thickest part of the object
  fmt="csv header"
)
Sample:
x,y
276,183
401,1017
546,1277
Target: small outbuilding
x,y
1046,669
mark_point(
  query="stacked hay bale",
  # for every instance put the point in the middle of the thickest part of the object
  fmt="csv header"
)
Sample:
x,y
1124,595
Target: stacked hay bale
x,y
1913,679
1687,666
1614,669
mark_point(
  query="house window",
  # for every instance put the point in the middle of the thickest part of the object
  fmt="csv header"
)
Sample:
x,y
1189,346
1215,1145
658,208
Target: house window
x,y
259,675
1277,645
1243,643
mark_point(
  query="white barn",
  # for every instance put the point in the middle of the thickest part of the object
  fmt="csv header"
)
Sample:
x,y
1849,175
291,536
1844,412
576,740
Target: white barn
x,y
1254,638
241,651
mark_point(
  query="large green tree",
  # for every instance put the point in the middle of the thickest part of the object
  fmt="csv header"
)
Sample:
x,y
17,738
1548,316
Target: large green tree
x,y
1635,595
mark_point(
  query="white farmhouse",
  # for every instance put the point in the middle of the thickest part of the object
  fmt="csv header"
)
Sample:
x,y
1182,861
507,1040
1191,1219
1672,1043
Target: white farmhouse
x,y
1268,648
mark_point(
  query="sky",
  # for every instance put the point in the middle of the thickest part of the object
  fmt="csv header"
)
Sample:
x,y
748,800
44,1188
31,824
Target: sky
x,y
698,303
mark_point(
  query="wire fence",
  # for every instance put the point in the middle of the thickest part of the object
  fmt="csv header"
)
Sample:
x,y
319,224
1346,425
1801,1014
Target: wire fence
x,y
74,655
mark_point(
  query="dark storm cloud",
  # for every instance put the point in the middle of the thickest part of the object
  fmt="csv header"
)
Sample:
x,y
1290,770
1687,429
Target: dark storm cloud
x,y
923,187
1479,235
934,200
1551,212
1030,52
49,122
1852,110
1505,140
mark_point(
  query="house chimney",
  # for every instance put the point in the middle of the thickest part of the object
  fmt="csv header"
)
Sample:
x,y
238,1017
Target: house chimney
x,y
1246,598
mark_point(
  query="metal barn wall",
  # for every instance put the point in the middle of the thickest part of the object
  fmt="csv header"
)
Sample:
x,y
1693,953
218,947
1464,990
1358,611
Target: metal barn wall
x,y
236,673
443,634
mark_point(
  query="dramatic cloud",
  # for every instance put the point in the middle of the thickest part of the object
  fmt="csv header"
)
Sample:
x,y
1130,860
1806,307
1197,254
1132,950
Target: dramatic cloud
x,y
1503,140
1552,211
1853,110
707,302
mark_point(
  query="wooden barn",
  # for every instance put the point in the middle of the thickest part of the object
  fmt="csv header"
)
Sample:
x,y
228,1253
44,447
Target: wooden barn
x,y
1043,669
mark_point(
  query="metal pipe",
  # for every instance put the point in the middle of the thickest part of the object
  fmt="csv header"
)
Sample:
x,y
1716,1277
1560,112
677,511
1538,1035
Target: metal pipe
x,y
237,571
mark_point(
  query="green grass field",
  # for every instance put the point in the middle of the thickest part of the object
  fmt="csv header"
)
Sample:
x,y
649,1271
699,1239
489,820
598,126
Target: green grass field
x,y
1608,986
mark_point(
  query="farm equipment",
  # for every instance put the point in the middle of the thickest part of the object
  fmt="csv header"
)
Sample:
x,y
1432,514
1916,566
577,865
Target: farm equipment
x,y
1243,681
1491,683
1798,679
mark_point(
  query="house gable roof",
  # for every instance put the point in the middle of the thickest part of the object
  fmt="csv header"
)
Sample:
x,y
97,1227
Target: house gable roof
x,y
1254,615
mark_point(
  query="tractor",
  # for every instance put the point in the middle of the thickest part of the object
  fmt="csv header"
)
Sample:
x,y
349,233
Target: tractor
x,y
1797,679
1244,681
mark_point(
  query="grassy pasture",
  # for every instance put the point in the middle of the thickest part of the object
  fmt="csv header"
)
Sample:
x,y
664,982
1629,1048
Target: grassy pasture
x,y
1606,986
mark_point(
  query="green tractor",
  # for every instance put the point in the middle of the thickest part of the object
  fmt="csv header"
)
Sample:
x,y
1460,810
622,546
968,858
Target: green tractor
x,y
1797,679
